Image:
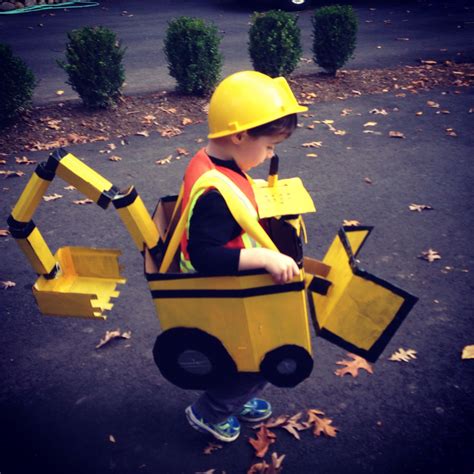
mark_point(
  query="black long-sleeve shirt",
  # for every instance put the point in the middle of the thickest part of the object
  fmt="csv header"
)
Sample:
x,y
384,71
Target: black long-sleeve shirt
x,y
212,226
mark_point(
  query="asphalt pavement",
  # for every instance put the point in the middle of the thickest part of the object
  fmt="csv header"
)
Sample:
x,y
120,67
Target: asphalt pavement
x,y
68,407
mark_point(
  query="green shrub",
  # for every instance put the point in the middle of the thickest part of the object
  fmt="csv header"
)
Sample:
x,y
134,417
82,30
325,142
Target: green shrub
x,y
274,42
192,52
334,36
17,83
94,65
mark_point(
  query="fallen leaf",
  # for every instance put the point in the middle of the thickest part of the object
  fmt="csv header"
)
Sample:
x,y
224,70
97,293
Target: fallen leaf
x,y
432,104
273,422
3,162
403,355
451,132
420,207
52,197
110,335
312,155
310,127
12,174
345,112
265,468
186,121
111,146
339,132
211,447
82,202
69,188
264,439
25,161
430,255
143,133
356,92
350,223
394,134
170,132
292,425
182,151
368,180
60,92
468,352
372,132
7,284
320,424
312,145
419,114
164,161
378,112
148,119
403,39
430,62
112,438
115,158
4,232
352,366
54,124
370,124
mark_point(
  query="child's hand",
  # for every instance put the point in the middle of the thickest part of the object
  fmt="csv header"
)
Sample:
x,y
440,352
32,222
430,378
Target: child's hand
x,y
282,268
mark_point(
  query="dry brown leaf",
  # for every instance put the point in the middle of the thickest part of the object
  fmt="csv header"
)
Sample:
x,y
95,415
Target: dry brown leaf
x,y
111,146
59,92
143,133
403,39
345,112
373,132
164,161
420,207
264,439
468,352
186,121
370,124
7,284
320,424
115,158
110,335
432,104
25,161
54,124
293,425
378,112
368,180
451,132
264,468
69,188
170,132
429,62
82,202
3,162
419,114
403,355
4,232
352,367
395,134
312,145
211,447
52,197
182,151
312,155
112,439
171,110
148,119
430,255
350,223
12,174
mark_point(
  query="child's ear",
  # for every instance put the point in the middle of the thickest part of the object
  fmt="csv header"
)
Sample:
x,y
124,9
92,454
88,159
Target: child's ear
x,y
238,138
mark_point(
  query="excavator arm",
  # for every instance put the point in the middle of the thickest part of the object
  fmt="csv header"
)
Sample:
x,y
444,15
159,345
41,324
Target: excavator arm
x,y
77,281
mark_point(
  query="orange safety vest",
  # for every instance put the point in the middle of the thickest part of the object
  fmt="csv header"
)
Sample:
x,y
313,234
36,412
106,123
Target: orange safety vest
x,y
200,164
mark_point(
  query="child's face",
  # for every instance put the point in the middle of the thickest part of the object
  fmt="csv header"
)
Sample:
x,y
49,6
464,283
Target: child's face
x,y
250,152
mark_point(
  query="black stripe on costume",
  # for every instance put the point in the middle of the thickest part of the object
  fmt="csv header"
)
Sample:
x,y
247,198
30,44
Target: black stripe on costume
x,y
43,172
54,159
20,230
319,285
124,201
240,293
107,196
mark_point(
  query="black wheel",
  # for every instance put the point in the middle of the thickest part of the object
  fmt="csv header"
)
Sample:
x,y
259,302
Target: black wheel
x,y
287,366
192,359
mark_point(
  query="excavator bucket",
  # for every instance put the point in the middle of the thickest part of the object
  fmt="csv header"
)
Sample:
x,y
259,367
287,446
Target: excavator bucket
x,y
84,286
351,307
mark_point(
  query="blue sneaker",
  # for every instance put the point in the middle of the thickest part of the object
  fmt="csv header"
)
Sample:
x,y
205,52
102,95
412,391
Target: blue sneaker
x,y
256,409
226,431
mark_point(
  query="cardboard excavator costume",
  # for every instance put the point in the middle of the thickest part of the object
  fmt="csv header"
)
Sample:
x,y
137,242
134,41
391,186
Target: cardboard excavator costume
x,y
215,326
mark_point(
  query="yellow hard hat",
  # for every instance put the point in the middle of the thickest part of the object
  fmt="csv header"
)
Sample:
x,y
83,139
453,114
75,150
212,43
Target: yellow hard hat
x,y
248,99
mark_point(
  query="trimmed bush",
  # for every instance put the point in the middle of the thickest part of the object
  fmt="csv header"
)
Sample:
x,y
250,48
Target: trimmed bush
x,y
94,66
275,43
192,52
334,36
17,83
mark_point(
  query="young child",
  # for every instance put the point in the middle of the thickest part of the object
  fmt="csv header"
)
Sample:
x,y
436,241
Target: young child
x,y
249,115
